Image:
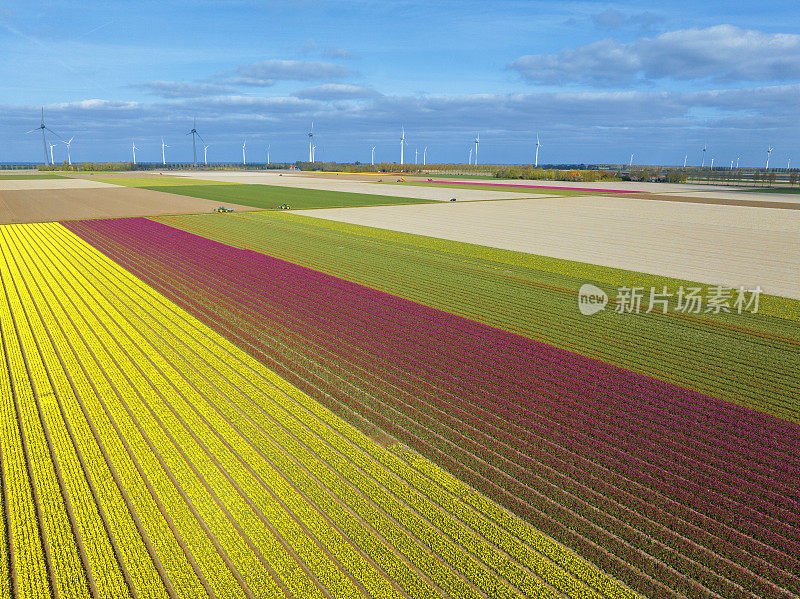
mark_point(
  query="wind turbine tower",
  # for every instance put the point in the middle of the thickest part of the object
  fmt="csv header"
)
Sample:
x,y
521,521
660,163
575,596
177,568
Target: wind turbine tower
x,y
244,157
685,158
163,157
268,147
133,149
769,151
205,154
44,127
703,162
402,143
425,156
195,134
68,143
372,157
311,143
477,141
630,164
536,163
416,155
469,160
51,153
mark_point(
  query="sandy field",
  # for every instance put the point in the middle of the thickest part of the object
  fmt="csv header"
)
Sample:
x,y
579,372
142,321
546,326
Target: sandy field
x,y
441,194
713,244
27,184
38,205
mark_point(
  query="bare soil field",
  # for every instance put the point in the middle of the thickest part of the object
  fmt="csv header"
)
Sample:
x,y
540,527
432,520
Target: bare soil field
x,y
441,194
104,201
23,184
713,244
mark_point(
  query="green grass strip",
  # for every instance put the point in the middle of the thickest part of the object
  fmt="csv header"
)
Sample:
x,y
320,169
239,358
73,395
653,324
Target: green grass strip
x,y
269,197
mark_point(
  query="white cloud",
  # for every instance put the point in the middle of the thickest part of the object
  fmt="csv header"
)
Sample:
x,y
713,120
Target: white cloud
x,y
264,74
336,91
719,54
183,89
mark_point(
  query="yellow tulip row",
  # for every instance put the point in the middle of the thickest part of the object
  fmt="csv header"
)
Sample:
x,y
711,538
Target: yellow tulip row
x,y
199,518
85,476
55,538
30,570
94,435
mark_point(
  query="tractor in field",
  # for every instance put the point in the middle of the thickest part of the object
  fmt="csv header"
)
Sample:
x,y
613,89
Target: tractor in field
x,y
284,207
223,209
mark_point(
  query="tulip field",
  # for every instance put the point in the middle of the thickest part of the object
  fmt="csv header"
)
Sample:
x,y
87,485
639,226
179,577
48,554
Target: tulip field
x,y
143,454
263,404
672,491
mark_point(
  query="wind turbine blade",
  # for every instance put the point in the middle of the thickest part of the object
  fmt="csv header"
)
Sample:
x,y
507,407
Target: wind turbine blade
x,y
33,130
201,138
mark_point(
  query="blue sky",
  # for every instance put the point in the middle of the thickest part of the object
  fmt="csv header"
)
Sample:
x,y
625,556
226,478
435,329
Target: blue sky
x,y
596,80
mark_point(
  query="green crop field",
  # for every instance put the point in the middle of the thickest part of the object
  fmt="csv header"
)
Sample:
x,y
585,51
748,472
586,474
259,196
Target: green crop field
x,y
750,359
272,196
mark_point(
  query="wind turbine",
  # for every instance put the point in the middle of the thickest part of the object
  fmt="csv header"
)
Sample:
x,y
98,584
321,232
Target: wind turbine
x,y
402,143
244,157
134,148
477,141
536,163
469,160
163,158
205,154
372,157
769,151
712,163
630,164
195,134
268,147
51,153
425,156
67,143
44,127
685,158
788,164
737,161
416,155
703,162
311,143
